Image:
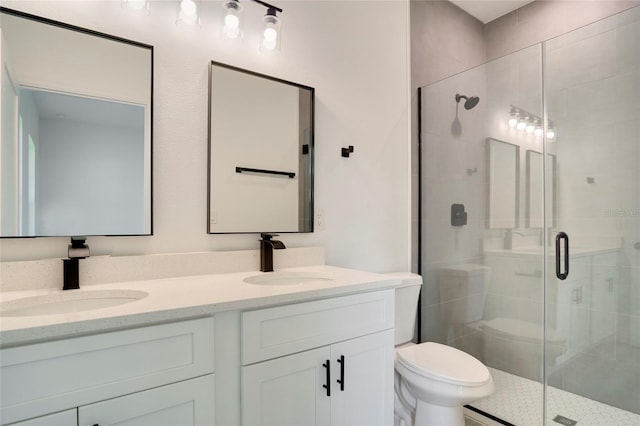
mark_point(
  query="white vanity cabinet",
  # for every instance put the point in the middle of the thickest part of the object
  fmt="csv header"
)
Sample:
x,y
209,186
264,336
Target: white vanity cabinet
x,y
325,362
605,281
587,301
155,375
64,418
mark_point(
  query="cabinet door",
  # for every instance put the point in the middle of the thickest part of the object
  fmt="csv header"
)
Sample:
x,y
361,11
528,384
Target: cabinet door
x,y
367,395
287,391
64,418
187,403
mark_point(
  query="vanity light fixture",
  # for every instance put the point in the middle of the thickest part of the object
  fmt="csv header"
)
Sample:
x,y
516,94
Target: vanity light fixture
x,y
189,12
232,21
522,120
551,131
538,128
136,6
530,126
513,117
271,35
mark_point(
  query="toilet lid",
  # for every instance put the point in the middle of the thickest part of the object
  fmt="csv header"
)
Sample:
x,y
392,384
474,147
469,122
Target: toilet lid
x,y
444,363
522,330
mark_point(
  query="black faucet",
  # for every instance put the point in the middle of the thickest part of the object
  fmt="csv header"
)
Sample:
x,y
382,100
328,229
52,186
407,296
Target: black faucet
x,y
77,250
266,251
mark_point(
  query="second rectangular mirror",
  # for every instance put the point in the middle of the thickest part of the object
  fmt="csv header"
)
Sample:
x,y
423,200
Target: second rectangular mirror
x,y
503,161
260,153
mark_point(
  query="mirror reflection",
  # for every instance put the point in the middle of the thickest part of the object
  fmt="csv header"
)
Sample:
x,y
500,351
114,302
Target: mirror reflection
x,y
76,130
260,153
503,164
537,172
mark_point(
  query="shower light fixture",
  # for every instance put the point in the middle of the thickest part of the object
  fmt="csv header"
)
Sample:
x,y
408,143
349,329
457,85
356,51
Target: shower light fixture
x,y
189,12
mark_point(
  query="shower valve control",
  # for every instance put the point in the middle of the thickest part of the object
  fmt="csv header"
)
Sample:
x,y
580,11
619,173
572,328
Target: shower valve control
x,y
458,215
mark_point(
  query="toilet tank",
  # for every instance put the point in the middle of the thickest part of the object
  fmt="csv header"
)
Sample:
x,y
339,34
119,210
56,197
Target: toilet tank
x,y
463,291
407,295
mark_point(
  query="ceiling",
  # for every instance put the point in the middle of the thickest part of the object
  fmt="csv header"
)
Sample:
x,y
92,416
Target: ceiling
x,y
488,10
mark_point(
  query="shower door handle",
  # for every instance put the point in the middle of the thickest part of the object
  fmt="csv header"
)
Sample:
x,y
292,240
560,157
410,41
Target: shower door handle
x,y
564,273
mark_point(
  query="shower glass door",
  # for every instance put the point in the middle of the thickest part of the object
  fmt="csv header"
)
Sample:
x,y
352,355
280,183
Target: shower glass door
x,y
552,146
482,226
592,107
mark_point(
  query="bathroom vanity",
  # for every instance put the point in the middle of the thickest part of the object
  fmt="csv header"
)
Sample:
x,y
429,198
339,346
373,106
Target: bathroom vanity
x,y
309,345
582,307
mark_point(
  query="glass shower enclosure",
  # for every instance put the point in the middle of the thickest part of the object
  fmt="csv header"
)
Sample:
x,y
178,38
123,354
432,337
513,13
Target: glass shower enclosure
x,y
530,224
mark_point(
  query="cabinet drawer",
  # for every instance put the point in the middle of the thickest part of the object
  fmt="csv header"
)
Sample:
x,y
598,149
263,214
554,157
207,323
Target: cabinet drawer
x,y
53,376
274,332
187,403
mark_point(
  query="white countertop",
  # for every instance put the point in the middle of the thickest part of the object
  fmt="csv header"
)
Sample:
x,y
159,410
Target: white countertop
x,y
173,299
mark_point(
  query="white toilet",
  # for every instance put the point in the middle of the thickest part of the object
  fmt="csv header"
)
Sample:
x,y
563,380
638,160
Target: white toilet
x,y
433,381
508,344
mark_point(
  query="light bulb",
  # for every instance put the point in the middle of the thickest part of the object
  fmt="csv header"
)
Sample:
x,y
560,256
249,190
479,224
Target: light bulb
x,y
521,124
538,131
551,134
513,122
269,44
188,7
231,21
188,12
270,34
529,128
135,5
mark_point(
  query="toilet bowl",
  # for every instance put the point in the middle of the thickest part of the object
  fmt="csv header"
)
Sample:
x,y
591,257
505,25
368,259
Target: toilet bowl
x,y
441,379
432,381
508,344
515,346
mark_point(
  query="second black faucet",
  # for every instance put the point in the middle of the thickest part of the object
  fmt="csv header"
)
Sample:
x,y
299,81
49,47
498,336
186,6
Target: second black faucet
x,y
267,245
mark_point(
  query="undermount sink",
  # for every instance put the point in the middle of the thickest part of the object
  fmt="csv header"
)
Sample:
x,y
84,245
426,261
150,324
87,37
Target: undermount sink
x,y
68,302
287,278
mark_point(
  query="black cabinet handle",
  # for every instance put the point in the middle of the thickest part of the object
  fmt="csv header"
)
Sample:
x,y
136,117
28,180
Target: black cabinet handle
x,y
341,379
327,386
562,274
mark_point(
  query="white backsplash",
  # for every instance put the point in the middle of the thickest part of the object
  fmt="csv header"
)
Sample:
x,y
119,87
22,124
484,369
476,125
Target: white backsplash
x,y
47,273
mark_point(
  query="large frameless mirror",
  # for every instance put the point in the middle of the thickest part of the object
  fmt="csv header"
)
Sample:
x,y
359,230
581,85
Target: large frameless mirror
x,y
76,130
503,164
260,153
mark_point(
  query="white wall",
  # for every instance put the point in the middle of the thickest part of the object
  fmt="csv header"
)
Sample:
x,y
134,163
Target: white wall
x,y
356,56
77,157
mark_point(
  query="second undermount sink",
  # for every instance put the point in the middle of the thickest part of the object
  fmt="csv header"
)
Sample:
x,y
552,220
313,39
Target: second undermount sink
x,y
68,302
288,278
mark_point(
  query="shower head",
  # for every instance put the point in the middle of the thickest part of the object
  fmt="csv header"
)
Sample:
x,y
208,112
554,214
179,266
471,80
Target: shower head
x,y
469,102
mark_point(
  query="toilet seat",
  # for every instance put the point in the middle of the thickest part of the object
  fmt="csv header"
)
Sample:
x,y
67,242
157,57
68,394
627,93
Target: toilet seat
x,y
443,363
